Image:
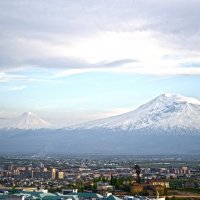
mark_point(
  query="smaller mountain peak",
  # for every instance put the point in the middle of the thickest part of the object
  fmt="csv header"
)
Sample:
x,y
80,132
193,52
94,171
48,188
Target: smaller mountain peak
x,y
27,114
29,120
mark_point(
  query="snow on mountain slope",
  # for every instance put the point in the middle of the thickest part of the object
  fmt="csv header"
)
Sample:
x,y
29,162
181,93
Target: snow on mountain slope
x,y
167,111
28,120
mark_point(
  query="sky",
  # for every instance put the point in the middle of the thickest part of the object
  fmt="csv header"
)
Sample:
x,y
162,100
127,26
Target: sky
x,y
76,61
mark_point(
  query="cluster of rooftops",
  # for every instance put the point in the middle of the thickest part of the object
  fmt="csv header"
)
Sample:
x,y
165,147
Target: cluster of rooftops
x,y
32,195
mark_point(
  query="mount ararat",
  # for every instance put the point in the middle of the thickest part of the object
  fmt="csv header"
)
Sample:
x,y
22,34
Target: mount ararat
x,y
166,112
168,124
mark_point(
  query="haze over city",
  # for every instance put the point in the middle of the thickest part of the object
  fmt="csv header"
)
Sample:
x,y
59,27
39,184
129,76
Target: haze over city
x,y
76,61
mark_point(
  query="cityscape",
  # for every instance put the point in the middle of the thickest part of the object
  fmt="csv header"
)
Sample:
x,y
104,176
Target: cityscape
x,y
124,176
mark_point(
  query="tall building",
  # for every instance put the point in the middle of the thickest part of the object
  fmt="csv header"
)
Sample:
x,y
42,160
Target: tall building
x,y
185,170
61,175
54,173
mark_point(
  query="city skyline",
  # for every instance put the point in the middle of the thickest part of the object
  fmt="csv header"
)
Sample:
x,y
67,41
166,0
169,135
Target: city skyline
x,y
71,62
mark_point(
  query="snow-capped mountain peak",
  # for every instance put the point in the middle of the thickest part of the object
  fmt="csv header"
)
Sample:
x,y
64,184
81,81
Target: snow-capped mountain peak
x,y
179,98
167,111
28,120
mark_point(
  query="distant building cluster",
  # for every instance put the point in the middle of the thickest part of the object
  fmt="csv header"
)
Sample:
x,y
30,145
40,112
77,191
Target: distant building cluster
x,y
71,176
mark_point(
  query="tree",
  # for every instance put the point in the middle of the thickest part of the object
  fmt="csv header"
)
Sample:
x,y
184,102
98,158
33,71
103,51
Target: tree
x,y
138,171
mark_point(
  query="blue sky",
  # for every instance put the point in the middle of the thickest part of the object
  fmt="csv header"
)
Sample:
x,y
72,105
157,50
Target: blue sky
x,y
75,61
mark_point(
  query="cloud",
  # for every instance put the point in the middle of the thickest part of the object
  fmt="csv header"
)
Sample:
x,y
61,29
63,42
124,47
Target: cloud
x,y
140,70
72,63
76,37
5,77
117,63
58,62
191,64
17,88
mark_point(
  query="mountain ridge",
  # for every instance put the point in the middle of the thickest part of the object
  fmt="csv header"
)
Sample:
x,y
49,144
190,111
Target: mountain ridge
x,y
168,124
167,111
